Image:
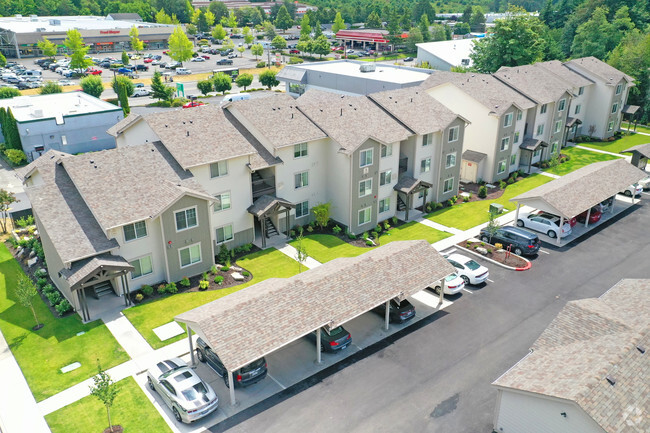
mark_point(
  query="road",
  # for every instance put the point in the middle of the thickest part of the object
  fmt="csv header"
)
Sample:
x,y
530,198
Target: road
x,y
437,377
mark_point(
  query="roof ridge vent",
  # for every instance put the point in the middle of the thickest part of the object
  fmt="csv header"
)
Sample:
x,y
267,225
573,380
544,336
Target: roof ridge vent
x,y
640,348
611,379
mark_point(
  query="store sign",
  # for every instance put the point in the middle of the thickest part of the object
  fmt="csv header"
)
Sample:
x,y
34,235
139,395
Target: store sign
x,y
109,32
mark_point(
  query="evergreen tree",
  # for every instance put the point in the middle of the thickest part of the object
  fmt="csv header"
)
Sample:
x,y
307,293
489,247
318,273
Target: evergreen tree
x,y
159,90
12,136
373,21
283,20
123,98
595,37
467,15
424,25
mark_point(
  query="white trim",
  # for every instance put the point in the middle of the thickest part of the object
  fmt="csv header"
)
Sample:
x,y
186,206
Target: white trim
x,y
225,161
299,147
214,207
296,211
180,262
372,157
447,165
196,212
131,277
301,179
379,205
444,185
456,134
369,209
505,118
368,190
146,229
232,233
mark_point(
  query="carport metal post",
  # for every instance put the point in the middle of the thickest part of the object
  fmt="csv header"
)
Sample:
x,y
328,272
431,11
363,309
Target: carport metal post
x,y
387,315
232,388
442,284
517,213
318,331
559,235
587,219
189,338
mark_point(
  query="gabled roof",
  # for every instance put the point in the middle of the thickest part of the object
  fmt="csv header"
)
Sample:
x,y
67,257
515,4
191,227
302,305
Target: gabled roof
x,y
473,156
350,120
278,120
484,88
562,71
83,268
264,203
44,164
608,74
643,149
538,84
408,184
412,106
589,341
123,124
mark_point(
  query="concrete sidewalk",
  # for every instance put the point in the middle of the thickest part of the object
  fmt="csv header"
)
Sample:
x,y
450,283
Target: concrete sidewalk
x,y
291,252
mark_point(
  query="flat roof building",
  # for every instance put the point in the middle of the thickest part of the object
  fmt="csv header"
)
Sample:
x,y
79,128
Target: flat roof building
x,y
444,55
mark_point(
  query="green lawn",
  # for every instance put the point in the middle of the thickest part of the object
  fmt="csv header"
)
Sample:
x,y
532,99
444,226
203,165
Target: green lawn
x,y
384,58
42,353
468,215
323,247
618,146
149,315
579,158
131,409
639,128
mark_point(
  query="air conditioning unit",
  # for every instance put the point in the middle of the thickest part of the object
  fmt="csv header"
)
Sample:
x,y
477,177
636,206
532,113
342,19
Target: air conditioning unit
x,y
37,112
365,170
367,67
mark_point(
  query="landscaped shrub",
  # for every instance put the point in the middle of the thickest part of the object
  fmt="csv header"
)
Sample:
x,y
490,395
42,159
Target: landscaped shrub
x,y
502,185
178,102
41,282
467,198
336,230
185,282
224,254
63,307
242,249
369,242
139,297
147,290
204,284
246,274
498,246
214,270
365,236
310,228
171,288
378,228
510,181
386,225
48,288
41,273
218,279
16,156
482,191
394,219
295,60
351,236
292,234
161,289
428,207
225,268
54,297
260,64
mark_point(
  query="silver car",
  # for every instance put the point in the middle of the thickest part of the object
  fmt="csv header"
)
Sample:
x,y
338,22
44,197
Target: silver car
x,y
182,390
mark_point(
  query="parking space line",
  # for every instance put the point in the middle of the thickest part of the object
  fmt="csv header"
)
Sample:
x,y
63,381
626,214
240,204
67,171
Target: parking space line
x,y
490,280
542,251
449,251
276,381
358,348
468,291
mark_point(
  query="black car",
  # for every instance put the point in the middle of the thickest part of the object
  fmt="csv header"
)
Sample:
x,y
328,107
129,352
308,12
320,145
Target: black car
x,y
248,375
141,67
520,241
224,62
397,312
334,340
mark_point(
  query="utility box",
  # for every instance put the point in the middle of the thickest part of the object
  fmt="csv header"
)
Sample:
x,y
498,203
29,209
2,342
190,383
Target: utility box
x,y
496,208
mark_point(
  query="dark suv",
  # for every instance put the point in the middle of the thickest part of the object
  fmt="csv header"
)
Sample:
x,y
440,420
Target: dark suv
x,y
398,312
520,241
333,341
248,375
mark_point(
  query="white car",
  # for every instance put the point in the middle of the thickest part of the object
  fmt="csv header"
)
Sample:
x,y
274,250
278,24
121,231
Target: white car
x,y
197,59
544,223
66,83
350,51
645,182
452,285
183,71
141,91
470,271
182,390
632,190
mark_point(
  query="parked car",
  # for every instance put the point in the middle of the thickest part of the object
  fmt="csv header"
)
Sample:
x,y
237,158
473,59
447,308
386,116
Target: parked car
x,y
522,242
572,221
140,91
224,62
183,71
453,284
232,55
606,204
182,390
632,190
333,341
544,223
408,59
197,59
193,104
594,215
645,182
93,71
148,60
66,83
398,312
205,56
469,270
138,85
158,63
124,70
141,67
294,52
245,376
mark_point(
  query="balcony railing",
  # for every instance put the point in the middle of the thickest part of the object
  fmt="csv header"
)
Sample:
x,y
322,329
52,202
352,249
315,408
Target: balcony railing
x,y
262,186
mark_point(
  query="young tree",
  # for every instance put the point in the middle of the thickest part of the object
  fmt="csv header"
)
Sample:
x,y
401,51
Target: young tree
x,y
462,28
6,199
438,32
25,292
301,252
105,390
267,78
125,58
414,38
136,44
283,20
159,90
320,46
244,80
92,85
317,30
204,86
222,82
3,60
180,48
10,130
339,24
162,17
241,50
492,227
322,214
75,44
228,44
231,21
129,87
257,50
49,88
123,98
373,21
218,32
269,30
47,48
279,43
202,23
248,35
305,28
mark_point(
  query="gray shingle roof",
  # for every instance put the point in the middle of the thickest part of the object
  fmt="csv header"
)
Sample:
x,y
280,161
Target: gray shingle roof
x,y
259,319
83,268
643,149
278,120
123,124
610,75
407,184
198,136
578,191
262,158
43,164
568,75
486,89
538,84
473,156
420,112
530,143
266,202
589,340
350,120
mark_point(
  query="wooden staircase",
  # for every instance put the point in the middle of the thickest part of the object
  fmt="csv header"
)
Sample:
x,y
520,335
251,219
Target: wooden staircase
x,y
269,228
401,206
102,289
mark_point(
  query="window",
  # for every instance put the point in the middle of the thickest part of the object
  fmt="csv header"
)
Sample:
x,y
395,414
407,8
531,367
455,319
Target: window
x,y
501,167
385,177
224,234
581,90
218,169
365,158
425,165
364,216
619,89
384,205
135,231
519,114
536,153
64,140
610,126
365,187
301,179
448,185
142,267
561,105
543,109
558,126
578,107
300,150
516,140
615,107
190,255
450,160
296,88
427,139
222,201
186,219
554,147
302,209
505,143
513,159
540,129
507,120
453,134
386,150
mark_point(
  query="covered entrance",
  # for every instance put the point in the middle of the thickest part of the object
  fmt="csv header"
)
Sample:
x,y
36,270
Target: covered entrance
x,y
531,152
640,155
406,187
470,169
572,128
267,210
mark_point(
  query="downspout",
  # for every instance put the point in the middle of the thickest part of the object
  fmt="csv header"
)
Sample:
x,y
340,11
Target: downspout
x,y
350,192
442,144
164,248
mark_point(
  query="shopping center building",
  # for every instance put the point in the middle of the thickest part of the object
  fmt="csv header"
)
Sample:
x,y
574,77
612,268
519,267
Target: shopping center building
x,y
19,35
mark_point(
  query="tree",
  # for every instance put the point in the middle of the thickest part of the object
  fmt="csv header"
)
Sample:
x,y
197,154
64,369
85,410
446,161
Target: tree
x,y
267,78
219,9
180,48
320,46
462,28
339,24
204,86
123,98
317,30
218,32
257,50
125,58
283,20
159,90
136,44
6,199
438,32
92,85
25,292
248,35
47,48
595,37
105,390
322,214
305,28
301,252
10,129
423,7
231,20
467,15
209,17
279,43
493,226
222,82
228,44
241,51
424,25
373,21
75,44
49,88
129,87
269,30
162,17
202,23
244,80
194,19
477,20
8,92
414,38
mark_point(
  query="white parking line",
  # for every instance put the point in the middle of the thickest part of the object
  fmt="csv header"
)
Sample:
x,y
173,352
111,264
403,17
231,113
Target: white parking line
x,y
358,348
645,193
490,280
449,251
468,291
274,380
545,252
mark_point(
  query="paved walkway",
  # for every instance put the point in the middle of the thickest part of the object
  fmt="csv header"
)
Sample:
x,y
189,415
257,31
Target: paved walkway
x,y
126,334
546,173
291,252
435,225
627,157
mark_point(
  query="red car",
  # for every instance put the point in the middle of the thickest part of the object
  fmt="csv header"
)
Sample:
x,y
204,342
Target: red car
x,y
193,104
166,51
337,48
93,71
594,216
149,60
206,57
294,52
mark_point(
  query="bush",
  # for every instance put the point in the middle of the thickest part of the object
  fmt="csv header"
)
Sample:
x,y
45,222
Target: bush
x,y
242,249
16,156
178,102
185,282
375,235
386,225
246,273
292,234
41,282
171,288
147,290
218,279
161,289
369,243
502,185
365,236
336,230
164,104
482,191
224,254
510,181
310,228
204,284
63,307
139,297
54,297
295,60
48,288
8,92
428,207
225,268
260,65
214,270
351,236
498,246
394,219
41,273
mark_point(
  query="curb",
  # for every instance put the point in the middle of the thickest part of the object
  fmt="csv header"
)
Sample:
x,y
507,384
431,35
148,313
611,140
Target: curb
x,y
511,268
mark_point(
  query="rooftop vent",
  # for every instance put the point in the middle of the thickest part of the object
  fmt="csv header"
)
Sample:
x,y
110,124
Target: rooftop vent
x,y
54,22
611,380
33,17
640,349
37,112
367,67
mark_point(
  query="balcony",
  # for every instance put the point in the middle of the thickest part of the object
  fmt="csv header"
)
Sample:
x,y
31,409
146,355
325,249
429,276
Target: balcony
x,y
262,185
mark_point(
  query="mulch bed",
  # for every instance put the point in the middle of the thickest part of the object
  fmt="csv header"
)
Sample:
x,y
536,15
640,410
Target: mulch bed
x,y
493,193
358,242
500,256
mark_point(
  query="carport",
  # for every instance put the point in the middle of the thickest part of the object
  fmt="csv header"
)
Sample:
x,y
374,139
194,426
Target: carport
x,y
255,321
640,155
582,189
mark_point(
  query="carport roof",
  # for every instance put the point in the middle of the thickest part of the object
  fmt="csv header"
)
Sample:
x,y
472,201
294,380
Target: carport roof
x,y
262,318
643,149
577,191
